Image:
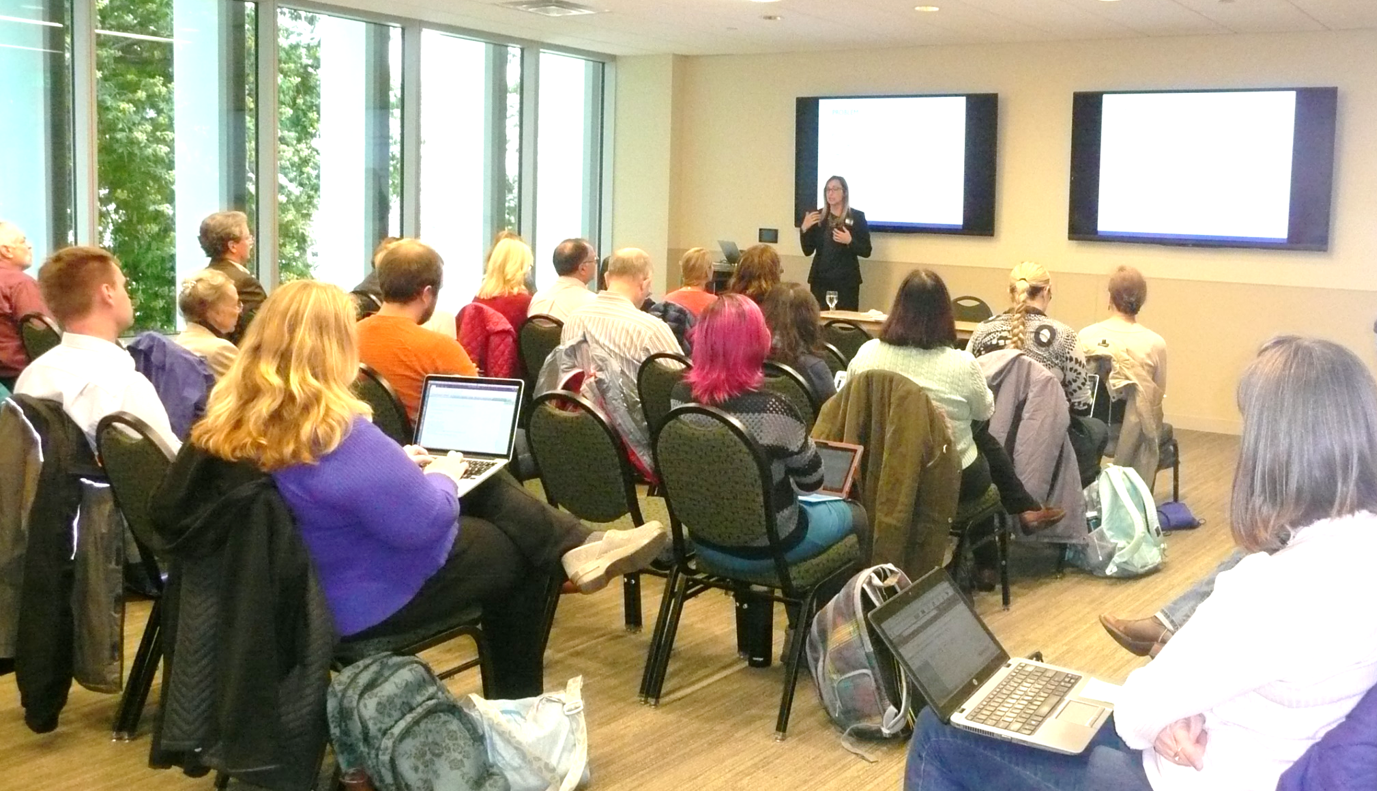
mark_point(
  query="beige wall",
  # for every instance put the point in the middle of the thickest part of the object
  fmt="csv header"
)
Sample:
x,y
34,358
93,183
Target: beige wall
x,y
733,165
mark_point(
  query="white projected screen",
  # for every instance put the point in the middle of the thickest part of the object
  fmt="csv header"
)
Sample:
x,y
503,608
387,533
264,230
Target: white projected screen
x,y
468,417
904,158
1214,165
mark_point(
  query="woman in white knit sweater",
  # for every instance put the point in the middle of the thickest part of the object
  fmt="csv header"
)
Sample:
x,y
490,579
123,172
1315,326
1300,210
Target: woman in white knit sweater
x,y
1274,659
918,340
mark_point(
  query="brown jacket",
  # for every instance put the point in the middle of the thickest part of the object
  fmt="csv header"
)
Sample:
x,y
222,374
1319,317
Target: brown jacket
x,y
251,294
910,471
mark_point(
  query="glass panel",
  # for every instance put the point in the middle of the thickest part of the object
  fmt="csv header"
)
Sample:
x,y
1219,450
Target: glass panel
x,y
35,121
169,151
339,144
470,161
567,167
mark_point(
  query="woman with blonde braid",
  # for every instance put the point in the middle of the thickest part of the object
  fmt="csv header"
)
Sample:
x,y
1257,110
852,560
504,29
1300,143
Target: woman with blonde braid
x,y
1027,327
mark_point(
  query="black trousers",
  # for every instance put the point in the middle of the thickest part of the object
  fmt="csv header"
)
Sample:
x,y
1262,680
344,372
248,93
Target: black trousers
x,y
992,465
508,548
848,294
1089,437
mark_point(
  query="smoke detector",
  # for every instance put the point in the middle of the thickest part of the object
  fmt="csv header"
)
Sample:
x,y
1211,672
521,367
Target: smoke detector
x,y
551,7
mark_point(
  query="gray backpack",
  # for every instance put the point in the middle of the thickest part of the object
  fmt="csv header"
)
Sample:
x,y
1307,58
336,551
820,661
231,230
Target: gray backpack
x,y
391,716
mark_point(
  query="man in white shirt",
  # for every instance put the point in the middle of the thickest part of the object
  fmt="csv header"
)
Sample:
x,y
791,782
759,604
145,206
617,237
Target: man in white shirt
x,y
613,323
576,262
89,372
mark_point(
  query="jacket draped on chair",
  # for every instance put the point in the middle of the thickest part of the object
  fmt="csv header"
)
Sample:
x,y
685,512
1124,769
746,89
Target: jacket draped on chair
x,y
490,341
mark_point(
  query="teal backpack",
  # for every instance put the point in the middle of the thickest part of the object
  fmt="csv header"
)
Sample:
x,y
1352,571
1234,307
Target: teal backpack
x,y
1127,541
390,716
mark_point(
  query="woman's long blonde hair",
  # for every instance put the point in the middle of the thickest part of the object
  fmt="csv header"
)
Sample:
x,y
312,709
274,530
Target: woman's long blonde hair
x,y
1027,281
511,259
287,398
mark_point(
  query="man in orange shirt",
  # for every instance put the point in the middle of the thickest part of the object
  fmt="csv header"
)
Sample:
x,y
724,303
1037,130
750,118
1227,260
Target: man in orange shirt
x,y
392,341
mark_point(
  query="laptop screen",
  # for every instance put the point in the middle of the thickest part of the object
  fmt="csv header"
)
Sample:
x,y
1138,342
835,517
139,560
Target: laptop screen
x,y
836,464
469,414
940,641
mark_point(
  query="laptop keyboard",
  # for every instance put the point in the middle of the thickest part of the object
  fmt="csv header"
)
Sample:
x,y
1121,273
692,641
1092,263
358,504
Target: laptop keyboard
x,y
477,468
1024,698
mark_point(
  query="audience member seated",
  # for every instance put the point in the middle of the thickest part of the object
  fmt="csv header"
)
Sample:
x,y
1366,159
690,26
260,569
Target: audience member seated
x,y
576,263
1027,327
211,308
695,270
758,271
225,238
89,372
369,284
608,339
792,314
1139,358
504,281
1270,662
19,296
731,345
918,340
392,342
391,565
1146,636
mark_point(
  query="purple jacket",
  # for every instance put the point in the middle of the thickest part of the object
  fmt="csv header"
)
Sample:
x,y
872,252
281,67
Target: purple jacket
x,y
1345,759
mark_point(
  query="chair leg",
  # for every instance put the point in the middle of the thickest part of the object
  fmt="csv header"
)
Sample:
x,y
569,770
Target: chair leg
x,y
485,670
786,703
657,680
141,674
1176,477
1002,536
631,593
657,635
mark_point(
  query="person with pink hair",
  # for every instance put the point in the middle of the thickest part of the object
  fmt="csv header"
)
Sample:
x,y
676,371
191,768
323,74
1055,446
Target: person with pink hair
x,y
730,344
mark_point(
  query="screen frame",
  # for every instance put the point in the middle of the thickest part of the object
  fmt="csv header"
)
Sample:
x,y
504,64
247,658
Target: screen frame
x,y
1312,184
518,384
982,151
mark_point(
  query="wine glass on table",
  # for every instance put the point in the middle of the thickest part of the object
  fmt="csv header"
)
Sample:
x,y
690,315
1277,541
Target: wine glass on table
x,y
831,298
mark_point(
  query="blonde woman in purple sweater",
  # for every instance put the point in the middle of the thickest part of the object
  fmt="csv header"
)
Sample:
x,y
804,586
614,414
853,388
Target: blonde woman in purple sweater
x,y
395,550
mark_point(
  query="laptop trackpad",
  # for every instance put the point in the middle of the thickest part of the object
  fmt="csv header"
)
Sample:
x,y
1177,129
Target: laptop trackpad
x,y
1077,713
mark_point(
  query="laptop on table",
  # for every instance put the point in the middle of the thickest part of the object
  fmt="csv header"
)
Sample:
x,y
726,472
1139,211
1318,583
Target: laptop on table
x,y
729,251
475,416
970,681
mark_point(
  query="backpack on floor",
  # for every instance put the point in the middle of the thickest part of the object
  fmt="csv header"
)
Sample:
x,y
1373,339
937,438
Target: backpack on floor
x,y
1128,540
390,716
862,687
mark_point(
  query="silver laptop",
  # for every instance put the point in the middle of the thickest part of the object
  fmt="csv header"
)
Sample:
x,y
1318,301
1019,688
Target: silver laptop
x,y
474,416
970,681
729,251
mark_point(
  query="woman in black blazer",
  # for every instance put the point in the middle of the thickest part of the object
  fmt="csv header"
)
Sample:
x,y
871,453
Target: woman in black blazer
x,y
840,240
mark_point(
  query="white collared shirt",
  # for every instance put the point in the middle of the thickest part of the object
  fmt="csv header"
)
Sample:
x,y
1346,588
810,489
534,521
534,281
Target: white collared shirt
x,y
93,378
561,298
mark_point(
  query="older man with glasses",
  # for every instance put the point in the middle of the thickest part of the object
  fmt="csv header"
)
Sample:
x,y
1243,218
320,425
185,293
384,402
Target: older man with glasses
x,y
576,263
19,296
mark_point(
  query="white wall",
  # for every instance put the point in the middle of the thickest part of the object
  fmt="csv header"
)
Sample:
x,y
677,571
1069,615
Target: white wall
x,y
644,178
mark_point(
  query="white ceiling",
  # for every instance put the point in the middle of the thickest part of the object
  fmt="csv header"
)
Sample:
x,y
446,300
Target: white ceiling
x,y
716,27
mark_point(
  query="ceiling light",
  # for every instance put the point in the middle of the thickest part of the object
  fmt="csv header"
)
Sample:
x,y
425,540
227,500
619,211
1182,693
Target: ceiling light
x,y
926,8
551,7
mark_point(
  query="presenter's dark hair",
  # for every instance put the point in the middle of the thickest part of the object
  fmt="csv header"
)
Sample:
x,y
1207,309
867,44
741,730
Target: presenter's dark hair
x,y
569,255
845,205
921,316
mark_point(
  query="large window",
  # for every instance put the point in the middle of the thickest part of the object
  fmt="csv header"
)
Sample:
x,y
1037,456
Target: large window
x,y
339,144
470,159
35,121
568,155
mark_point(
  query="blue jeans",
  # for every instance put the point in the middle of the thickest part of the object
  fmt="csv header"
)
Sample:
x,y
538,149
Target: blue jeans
x,y
1174,615
829,521
943,758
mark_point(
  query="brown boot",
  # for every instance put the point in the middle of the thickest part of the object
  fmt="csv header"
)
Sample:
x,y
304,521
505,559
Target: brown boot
x,y
1143,637
1034,521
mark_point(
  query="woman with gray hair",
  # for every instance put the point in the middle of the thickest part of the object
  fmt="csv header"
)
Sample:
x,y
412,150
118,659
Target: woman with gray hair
x,y
1273,659
210,304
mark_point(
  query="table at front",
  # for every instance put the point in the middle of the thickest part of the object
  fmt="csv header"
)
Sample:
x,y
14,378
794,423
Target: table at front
x,y
871,322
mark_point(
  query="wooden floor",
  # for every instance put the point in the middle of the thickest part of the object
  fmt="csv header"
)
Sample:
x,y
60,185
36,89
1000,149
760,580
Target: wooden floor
x,y
715,726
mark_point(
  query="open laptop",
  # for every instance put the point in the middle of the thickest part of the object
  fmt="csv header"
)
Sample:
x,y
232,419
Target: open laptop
x,y
729,251
840,463
472,415
969,680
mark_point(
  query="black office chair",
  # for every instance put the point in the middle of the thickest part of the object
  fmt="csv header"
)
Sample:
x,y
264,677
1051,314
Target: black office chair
x,y
968,308
836,361
389,414
846,336
784,381
38,333
655,381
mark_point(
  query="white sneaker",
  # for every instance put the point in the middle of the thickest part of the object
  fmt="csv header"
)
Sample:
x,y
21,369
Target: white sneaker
x,y
591,566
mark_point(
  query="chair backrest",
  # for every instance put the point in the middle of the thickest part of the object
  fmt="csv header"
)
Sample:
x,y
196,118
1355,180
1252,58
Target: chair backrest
x,y
136,459
717,484
846,336
655,382
365,304
1106,409
389,414
784,381
836,361
537,336
38,333
583,464
969,308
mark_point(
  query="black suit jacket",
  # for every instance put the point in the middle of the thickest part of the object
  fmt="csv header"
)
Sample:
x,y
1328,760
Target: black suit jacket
x,y
836,264
251,294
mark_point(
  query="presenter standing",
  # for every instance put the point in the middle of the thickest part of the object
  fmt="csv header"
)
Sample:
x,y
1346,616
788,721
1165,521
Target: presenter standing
x,y
837,242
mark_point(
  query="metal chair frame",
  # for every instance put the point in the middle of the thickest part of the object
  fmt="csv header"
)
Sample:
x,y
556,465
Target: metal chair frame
x,y
651,361
31,323
838,337
366,371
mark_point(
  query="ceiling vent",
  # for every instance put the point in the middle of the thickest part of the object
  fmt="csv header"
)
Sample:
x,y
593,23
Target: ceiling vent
x,y
551,7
